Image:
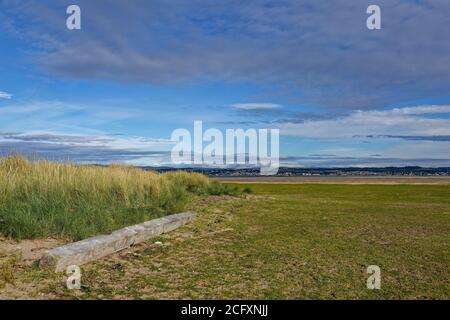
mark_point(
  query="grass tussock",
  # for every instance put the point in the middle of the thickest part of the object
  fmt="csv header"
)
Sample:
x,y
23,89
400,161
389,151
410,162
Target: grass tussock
x,y
200,184
7,265
42,198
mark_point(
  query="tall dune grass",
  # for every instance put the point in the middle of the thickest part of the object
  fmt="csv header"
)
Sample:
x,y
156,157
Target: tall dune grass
x,y
42,198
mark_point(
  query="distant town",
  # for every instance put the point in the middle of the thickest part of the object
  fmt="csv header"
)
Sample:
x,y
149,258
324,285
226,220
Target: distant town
x,y
299,172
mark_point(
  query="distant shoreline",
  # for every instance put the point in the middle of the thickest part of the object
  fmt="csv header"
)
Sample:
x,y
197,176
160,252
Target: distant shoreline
x,y
432,180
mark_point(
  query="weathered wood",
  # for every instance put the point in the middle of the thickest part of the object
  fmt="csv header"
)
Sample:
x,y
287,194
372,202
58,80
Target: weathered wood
x,y
94,248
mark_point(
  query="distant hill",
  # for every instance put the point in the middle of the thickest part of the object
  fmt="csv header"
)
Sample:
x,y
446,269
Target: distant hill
x,y
288,171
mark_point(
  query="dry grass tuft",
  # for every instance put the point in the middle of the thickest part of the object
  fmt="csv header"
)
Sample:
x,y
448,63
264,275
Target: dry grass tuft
x,y
42,198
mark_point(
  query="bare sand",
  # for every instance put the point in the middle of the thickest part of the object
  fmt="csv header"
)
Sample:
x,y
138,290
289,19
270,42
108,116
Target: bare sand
x,y
28,250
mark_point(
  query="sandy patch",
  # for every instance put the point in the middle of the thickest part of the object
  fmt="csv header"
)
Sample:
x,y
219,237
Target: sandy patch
x,y
28,250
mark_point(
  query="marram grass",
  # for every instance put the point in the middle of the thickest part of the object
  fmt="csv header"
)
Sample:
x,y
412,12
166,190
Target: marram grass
x,y
47,199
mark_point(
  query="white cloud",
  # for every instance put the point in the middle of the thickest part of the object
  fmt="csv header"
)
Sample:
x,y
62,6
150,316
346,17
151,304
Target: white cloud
x,y
420,149
409,121
430,109
255,106
87,148
77,140
5,95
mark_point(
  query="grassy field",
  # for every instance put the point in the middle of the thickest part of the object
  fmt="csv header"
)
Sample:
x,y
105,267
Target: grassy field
x,y
46,199
281,242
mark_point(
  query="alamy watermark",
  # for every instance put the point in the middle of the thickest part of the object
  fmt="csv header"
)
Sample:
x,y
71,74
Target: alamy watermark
x,y
374,280
374,20
73,22
252,147
73,281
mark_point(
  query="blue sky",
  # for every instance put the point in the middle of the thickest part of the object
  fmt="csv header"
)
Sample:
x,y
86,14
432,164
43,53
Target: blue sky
x,y
341,95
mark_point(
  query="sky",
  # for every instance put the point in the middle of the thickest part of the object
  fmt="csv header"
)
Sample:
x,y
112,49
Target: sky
x,y
114,91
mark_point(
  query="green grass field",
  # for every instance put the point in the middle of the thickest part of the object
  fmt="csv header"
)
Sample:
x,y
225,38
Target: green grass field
x,y
282,242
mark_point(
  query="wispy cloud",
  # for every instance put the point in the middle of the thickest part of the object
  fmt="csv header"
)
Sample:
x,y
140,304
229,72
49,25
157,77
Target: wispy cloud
x,y
414,138
256,106
60,116
105,140
5,95
418,110
86,148
398,123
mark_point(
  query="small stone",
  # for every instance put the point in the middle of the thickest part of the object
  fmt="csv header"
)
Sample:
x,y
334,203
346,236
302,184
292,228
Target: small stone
x,y
158,243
